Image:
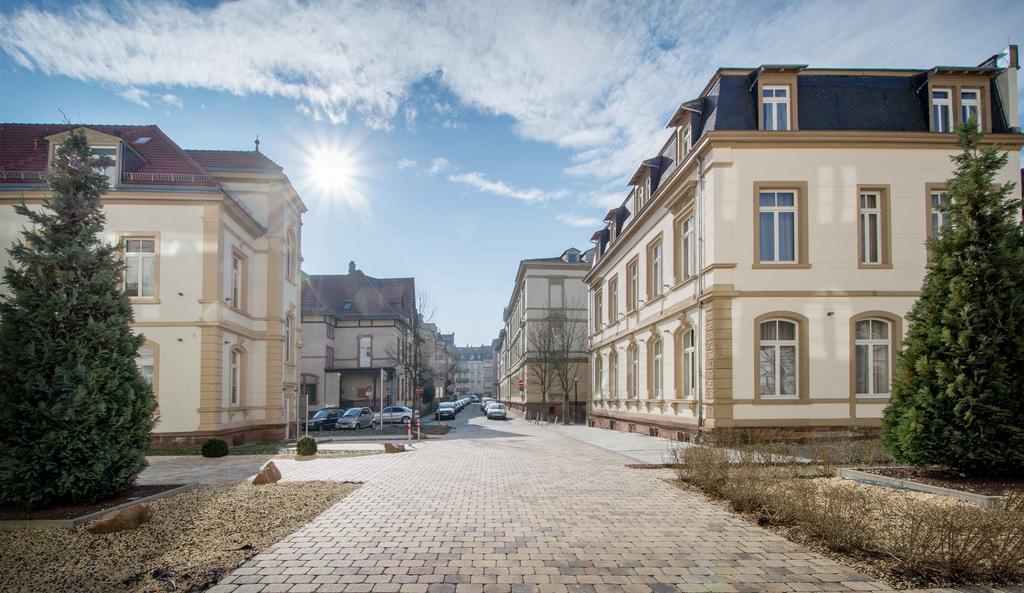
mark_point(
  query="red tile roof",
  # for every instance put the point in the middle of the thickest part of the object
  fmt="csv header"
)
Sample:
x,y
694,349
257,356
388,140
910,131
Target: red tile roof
x,y
246,161
23,154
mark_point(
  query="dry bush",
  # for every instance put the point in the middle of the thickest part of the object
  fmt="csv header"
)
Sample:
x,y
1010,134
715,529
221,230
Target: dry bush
x,y
827,455
706,467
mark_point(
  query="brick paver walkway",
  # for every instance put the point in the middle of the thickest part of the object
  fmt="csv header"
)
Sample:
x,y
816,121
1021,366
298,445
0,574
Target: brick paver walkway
x,y
512,507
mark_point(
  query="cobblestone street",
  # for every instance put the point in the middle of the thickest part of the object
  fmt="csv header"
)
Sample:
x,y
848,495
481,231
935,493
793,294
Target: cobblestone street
x,y
515,507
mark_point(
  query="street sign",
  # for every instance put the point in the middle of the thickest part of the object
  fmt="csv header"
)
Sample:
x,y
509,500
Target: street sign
x,y
419,390
521,383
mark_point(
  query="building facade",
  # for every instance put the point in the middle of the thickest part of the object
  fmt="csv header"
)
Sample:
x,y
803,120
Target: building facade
x,y
357,339
211,242
546,290
441,353
474,370
759,272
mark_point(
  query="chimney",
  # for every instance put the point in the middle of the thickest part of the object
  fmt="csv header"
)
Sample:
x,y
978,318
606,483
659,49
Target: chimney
x,y
351,267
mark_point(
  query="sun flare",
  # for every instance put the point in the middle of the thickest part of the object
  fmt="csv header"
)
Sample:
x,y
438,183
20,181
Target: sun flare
x,y
332,170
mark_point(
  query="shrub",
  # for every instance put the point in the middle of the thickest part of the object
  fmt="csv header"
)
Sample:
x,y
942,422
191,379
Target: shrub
x,y
215,447
76,415
706,467
306,446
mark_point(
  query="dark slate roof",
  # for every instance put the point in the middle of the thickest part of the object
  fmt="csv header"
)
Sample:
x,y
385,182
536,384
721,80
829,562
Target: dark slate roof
x,y
236,161
152,158
358,296
881,103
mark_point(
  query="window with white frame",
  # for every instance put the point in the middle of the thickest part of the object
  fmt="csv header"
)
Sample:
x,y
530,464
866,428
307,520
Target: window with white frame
x,y
613,374
689,365
870,228
777,226
657,368
778,358
599,375
775,108
633,286
970,105
634,371
940,202
140,267
613,300
942,110
688,255
289,256
235,380
656,276
686,141
110,170
598,310
236,281
873,349
146,361
287,338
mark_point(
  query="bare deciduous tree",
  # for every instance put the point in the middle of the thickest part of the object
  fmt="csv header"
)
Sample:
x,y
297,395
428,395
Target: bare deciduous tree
x,y
542,353
410,354
569,332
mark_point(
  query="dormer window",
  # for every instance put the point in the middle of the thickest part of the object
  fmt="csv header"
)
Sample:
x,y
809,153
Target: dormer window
x,y
686,142
775,108
970,101
111,170
942,110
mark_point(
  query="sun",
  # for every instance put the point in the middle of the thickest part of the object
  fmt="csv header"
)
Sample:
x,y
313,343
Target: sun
x,y
332,170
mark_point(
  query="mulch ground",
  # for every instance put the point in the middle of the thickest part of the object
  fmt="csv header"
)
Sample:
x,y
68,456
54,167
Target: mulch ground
x,y
77,510
193,540
947,478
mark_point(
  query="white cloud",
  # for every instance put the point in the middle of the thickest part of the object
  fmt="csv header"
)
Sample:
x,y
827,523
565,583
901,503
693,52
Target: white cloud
x,y
437,165
479,181
135,95
406,163
579,221
172,100
596,77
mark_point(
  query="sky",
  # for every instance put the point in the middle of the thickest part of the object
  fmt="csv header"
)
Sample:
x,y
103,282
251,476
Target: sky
x,y
446,140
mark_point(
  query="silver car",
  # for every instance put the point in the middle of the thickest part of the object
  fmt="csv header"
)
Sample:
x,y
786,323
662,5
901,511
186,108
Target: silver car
x,y
395,414
355,418
496,411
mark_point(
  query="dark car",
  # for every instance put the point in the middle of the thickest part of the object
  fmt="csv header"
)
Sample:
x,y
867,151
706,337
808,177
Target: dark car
x,y
325,419
445,411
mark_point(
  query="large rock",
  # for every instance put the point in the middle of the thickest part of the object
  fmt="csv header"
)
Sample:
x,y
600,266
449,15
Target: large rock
x,y
269,474
390,448
122,519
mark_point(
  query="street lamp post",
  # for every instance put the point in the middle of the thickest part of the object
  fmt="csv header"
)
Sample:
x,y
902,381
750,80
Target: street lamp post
x,y
576,396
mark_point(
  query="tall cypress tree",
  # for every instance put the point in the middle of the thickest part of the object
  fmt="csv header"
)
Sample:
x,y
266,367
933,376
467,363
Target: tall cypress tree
x,y
75,413
958,389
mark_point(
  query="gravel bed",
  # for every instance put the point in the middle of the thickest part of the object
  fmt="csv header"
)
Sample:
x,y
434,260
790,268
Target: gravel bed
x,y
193,539
948,478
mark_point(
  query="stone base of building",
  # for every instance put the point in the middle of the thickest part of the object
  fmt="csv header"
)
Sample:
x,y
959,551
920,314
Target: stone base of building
x,y
550,409
687,431
233,436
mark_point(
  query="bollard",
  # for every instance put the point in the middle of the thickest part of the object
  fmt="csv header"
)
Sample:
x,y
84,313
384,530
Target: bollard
x,y
409,428
419,433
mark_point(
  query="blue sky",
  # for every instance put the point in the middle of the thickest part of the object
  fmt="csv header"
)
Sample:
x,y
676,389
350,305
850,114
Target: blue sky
x,y
475,134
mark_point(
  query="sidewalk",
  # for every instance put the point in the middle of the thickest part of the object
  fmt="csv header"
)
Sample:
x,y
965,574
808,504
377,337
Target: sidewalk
x,y
642,448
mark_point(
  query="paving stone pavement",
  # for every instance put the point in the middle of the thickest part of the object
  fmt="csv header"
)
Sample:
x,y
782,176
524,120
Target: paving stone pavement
x,y
516,508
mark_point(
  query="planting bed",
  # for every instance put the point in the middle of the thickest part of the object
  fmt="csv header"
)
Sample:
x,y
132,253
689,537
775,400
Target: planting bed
x,y
951,479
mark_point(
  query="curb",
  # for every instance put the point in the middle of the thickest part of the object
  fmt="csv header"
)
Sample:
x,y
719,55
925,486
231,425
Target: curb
x,y
901,484
76,521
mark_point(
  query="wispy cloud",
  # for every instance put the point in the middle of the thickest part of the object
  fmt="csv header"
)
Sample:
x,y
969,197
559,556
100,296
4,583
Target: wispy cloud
x,y
437,165
135,95
579,221
479,181
406,163
620,68
172,100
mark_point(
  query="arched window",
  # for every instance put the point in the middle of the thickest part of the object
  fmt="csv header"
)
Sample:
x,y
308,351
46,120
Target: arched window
x,y
873,353
779,354
688,364
657,368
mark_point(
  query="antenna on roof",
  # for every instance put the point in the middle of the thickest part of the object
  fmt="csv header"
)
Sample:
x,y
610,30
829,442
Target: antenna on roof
x,y
257,142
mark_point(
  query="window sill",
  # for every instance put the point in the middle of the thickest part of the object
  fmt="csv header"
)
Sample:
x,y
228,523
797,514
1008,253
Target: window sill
x,y
863,266
763,400
781,266
871,398
144,300
685,282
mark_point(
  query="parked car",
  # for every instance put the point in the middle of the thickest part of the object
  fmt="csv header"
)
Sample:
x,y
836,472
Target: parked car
x,y
483,404
445,411
325,419
356,418
395,414
496,411
474,398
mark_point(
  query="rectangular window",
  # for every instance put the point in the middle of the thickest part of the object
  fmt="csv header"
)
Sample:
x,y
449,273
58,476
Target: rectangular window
x,y
237,278
613,374
775,108
689,364
235,387
330,331
111,170
870,228
146,360
613,300
329,355
939,213
777,226
654,266
688,254
288,338
942,110
970,105
598,375
598,308
686,142
140,267
632,285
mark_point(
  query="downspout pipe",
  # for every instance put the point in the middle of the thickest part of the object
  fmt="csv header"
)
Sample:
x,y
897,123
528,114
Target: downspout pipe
x,y
700,292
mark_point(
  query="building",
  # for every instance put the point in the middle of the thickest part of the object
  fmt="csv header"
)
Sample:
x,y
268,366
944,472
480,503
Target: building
x,y
759,272
211,240
546,291
441,349
357,339
474,370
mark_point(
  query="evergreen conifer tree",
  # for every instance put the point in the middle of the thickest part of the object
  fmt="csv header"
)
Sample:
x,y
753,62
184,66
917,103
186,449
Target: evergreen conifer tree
x,y
75,412
958,388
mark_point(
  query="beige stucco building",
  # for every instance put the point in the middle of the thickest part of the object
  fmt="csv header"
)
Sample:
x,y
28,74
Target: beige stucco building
x,y
544,287
475,371
211,241
759,272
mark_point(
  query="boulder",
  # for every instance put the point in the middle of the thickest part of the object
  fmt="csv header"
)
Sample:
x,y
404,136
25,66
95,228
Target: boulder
x,y
122,519
269,474
391,448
